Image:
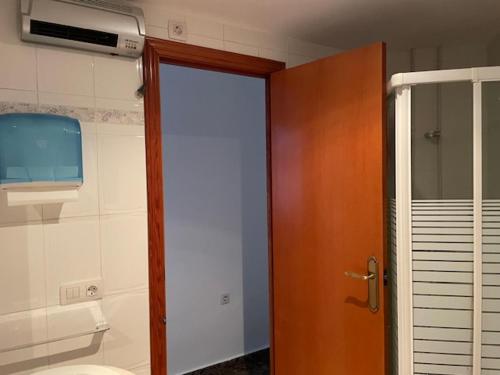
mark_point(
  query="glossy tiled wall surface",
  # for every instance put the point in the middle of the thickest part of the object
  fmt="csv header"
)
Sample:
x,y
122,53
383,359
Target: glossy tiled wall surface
x,y
103,234
225,35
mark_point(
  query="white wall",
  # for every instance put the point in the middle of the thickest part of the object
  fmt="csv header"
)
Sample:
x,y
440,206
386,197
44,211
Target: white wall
x,y
104,233
216,215
223,34
450,56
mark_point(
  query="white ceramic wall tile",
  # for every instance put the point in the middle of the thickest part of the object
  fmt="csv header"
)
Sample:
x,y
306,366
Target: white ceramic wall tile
x,y
77,351
159,15
88,194
18,67
124,246
76,240
397,62
275,42
72,253
120,130
242,36
241,48
273,54
255,38
199,40
73,319
65,100
204,27
463,55
24,361
122,168
294,60
299,47
9,22
127,342
18,96
156,16
22,272
88,128
65,71
23,328
143,370
157,31
19,214
116,77
27,327
70,320
124,105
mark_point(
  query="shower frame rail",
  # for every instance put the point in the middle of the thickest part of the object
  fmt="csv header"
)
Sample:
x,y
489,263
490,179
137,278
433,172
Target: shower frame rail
x,y
401,85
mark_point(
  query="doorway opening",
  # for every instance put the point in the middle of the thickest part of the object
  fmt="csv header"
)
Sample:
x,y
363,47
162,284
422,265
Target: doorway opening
x,y
252,74
327,147
216,220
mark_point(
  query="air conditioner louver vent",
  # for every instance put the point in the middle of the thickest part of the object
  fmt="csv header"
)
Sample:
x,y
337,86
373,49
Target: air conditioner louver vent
x,y
73,33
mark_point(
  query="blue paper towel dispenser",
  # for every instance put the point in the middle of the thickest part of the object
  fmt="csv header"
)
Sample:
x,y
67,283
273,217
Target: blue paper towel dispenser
x,y
40,152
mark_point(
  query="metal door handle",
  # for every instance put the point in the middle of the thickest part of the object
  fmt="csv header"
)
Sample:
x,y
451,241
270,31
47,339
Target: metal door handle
x,y
372,278
357,276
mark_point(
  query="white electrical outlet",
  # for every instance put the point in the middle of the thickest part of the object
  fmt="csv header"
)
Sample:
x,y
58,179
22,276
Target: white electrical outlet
x,y
225,298
177,30
81,291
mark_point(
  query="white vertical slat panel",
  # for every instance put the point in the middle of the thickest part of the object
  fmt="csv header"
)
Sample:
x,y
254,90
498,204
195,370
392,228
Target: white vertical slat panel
x,y
442,252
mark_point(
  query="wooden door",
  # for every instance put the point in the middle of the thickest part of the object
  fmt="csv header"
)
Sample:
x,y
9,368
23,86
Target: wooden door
x,y
327,156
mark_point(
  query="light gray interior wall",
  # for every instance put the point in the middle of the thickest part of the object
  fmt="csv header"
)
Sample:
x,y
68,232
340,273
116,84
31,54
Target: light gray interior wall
x,y
491,140
491,128
456,147
214,139
493,51
441,168
425,168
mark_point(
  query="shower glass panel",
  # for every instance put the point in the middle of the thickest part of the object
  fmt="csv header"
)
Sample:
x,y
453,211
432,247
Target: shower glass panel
x,y
490,361
442,227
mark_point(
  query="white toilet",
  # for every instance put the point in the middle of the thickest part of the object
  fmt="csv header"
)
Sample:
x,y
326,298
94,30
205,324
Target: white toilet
x,y
84,370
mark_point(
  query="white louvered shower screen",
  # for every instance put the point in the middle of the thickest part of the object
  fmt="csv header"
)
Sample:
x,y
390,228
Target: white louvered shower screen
x,y
444,207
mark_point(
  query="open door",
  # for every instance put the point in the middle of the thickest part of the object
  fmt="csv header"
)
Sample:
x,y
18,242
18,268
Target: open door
x,y
328,220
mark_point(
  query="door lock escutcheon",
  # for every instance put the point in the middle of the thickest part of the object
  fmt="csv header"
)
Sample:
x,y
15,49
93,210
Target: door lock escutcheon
x,y
372,279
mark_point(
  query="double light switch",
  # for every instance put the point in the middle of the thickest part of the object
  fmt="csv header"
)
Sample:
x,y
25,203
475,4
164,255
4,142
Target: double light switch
x,y
82,291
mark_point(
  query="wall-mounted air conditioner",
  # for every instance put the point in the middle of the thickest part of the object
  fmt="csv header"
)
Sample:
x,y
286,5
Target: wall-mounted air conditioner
x,y
104,26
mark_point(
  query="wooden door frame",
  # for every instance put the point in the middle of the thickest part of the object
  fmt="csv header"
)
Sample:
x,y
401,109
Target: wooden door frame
x,y
159,51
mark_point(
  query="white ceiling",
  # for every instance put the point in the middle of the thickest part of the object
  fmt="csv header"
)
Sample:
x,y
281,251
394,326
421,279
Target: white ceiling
x,y
350,23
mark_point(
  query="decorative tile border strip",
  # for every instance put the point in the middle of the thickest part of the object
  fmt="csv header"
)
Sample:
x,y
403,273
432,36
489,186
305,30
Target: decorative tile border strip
x,y
7,107
80,113
85,114
116,116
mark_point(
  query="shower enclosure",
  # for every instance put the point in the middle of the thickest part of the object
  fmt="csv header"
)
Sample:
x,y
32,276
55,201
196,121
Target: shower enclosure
x,y
444,131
